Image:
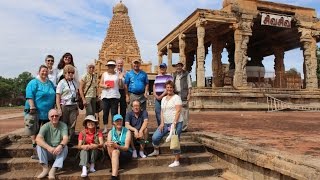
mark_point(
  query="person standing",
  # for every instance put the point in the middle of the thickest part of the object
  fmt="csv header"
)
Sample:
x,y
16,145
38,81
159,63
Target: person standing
x,y
171,120
51,144
137,85
159,89
122,101
110,82
182,82
52,72
66,59
88,90
40,98
66,99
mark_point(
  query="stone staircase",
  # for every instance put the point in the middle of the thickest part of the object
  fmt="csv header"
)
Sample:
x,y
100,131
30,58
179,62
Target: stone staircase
x,y
196,163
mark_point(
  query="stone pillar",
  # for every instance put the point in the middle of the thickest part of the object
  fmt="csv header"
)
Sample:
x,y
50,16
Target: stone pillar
x,y
241,38
160,54
217,48
200,24
309,47
182,47
169,50
280,80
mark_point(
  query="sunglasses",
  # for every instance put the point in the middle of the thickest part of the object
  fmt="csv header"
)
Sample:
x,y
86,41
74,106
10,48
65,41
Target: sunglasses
x,y
54,116
50,60
71,72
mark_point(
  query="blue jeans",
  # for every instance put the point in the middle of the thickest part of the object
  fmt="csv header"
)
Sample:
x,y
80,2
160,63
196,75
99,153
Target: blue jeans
x,y
158,135
157,109
108,104
45,156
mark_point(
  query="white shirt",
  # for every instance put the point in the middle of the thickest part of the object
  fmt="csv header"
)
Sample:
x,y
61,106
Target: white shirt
x,y
110,92
67,90
168,108
52,76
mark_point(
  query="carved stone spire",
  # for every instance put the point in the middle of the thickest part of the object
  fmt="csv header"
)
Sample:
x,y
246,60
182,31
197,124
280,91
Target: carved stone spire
x,y
120,41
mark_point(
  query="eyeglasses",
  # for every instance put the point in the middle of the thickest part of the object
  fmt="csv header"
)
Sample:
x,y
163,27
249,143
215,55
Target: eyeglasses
x,y
54,116
50,60
91,67
71,72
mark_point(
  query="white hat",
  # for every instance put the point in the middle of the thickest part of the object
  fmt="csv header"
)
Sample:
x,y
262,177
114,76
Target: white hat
x,y
111,62
89,118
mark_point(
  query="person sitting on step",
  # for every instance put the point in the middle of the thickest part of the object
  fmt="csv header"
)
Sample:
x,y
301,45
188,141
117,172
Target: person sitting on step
x,y
89,142
51,144
137,122
118,145
171,120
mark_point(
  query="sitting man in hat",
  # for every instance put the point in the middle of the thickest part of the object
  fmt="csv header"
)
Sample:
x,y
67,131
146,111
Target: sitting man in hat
x,y
89,140
118,145
137,122
51,144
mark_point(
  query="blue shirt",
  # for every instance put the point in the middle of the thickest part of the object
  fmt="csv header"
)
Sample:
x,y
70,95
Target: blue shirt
x,y
136,122
43,95
136,82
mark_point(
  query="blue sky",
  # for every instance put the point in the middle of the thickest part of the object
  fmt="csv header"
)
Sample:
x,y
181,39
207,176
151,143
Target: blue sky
x,y
32,29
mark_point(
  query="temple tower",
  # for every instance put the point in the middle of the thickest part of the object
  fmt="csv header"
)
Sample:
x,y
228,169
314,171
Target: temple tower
x,y
120,41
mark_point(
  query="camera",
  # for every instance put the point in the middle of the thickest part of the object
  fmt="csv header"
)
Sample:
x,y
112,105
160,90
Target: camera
x,y
74,99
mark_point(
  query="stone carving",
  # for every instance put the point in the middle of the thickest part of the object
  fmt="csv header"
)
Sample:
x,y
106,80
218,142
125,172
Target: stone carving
x,y
160,54
217,48
279,67
169,53
182,46
201,22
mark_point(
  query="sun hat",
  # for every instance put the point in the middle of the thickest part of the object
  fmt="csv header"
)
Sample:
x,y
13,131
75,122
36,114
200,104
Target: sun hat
x,y
111,62
89,118
117,117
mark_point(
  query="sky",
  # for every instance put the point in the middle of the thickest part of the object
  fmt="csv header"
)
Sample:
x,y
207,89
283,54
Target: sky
x,y
32,29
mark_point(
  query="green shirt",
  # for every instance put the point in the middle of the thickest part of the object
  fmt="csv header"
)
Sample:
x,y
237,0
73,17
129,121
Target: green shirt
x,y
53,136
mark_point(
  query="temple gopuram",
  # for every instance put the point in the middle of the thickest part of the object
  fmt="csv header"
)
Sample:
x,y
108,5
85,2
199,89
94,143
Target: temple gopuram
x,y
249,30
120,42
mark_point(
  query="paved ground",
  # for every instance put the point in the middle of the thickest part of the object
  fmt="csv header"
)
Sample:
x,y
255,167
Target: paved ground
x,y
294,132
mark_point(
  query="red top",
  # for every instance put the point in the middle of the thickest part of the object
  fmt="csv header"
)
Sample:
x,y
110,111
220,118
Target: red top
x,y
89,136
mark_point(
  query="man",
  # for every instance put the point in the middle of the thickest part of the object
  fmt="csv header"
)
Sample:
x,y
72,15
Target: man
x,y
123,103
52,72
51,144
182,82
137,122
137,85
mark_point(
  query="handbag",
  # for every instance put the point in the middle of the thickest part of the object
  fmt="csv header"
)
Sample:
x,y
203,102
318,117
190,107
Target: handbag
x,y
175,143
99,105
80,102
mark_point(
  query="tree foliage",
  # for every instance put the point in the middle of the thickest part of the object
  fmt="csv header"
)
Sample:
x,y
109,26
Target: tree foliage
x,y
14,88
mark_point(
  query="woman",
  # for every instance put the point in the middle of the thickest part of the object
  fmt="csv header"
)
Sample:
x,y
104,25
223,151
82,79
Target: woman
x,y
66,99
89,140
40,95
52,72
110,82
88,90
118,143
159,89
67,58
171,120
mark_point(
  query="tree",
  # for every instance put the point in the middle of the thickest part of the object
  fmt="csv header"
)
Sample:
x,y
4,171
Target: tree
x,y
20,83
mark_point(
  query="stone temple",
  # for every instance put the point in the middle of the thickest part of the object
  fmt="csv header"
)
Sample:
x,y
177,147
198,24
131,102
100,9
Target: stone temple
x,y
120,41
249,30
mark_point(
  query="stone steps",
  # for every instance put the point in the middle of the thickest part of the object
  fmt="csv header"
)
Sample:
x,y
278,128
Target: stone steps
x,y
160,172
23,163
25,150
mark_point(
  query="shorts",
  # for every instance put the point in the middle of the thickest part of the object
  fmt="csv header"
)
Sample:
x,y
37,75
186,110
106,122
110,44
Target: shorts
x,y
31,124
125,157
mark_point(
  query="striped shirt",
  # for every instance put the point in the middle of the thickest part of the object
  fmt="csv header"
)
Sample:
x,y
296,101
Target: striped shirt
x,y
160,82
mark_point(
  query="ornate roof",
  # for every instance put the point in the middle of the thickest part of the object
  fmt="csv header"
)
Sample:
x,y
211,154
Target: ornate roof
x,y
120,8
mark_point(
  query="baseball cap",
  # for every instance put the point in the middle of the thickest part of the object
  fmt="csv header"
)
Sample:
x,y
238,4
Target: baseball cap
x,y
117,117
163,65
136,60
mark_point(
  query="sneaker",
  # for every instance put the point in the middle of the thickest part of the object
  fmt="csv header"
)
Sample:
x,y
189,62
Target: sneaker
x,y
175,164
141,153
84,172
104,131
134,154
154,153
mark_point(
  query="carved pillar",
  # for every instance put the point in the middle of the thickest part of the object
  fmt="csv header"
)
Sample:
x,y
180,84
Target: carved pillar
x,y
241,38
309,47
200,24
279,81
160,54
217,48
182,47
169,50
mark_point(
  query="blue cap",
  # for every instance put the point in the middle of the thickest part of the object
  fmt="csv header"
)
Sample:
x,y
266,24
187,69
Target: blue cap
x,y
163,65
117,117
